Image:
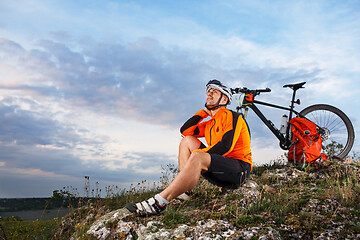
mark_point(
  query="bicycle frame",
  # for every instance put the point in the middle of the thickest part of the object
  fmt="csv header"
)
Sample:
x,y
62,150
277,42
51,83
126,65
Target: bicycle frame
x,y
328,120
284,139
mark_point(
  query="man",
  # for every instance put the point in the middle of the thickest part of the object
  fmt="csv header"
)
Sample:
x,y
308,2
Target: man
x,y
225,162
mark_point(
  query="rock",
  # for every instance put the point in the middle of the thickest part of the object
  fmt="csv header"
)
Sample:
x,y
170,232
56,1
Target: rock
x,y
262,225
153,231
269,189
250,193
272,234
99,229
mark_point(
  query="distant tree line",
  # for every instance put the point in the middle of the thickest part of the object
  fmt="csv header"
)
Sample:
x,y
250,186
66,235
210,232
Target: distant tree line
x,y
24,204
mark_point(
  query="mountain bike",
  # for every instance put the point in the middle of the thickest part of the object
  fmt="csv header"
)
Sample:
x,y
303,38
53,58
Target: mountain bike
x,y
334,127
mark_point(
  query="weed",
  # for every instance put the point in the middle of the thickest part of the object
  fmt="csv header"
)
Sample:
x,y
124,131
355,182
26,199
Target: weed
x,y
15,228
111,224
248,220
307,201
275,164
174,216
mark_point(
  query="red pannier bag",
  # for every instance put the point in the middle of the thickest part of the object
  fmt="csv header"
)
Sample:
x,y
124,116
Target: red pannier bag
x,y
306,142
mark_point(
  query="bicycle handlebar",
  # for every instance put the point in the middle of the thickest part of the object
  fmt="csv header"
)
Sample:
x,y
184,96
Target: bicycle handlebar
x,y
246,90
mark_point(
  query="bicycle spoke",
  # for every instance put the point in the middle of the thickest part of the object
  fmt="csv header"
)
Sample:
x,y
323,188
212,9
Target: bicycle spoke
x,y
338,130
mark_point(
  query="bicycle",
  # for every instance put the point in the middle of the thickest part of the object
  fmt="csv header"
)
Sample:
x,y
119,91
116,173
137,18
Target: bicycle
x,y
334,127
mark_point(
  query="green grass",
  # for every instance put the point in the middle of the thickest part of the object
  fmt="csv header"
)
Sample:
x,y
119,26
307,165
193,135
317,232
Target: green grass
x,y
14,228
279,203
248,220
173,217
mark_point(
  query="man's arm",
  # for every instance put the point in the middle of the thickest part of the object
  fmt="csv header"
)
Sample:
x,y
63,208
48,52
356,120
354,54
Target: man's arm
x,y
193,127
230,137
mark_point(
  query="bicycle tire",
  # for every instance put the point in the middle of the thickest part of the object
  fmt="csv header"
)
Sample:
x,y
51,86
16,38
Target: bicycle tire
x,y
335,122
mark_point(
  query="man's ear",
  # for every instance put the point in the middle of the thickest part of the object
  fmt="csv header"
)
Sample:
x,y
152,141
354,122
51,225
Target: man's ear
x,y
224,99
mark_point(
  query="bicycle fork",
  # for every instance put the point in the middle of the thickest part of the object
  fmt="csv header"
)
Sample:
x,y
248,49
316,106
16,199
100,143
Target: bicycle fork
x,y
246,109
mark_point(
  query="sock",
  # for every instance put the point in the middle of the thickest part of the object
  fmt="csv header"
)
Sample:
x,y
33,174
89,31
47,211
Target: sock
x,y
162,201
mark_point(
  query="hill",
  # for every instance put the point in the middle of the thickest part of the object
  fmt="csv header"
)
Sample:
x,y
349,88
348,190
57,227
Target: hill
x,y
280,201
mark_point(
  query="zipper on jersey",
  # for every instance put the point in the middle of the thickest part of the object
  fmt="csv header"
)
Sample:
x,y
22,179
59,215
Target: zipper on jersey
x,y
211,129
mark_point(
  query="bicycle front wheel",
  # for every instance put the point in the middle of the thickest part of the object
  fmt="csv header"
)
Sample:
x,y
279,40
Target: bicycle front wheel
x,y
336,129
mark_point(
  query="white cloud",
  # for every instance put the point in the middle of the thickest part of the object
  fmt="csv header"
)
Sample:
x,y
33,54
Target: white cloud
x,y
110,85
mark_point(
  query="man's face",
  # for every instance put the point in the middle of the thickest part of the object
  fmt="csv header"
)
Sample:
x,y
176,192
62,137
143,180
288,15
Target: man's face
x,y
212,97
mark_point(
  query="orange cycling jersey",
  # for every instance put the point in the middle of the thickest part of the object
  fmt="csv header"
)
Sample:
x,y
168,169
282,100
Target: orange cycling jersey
x,y
226,133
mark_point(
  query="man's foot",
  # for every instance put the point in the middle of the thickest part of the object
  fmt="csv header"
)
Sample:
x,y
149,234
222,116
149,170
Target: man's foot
x,y
148,207
185,196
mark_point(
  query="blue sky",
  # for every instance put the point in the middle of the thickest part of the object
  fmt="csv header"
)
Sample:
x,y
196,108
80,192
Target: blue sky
x,y
101,88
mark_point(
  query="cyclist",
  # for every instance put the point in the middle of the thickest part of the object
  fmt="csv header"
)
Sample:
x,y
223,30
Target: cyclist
x,y
226,161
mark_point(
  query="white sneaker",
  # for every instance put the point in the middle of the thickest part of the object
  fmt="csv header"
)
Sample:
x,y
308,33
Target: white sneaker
x,y
184,196
149,207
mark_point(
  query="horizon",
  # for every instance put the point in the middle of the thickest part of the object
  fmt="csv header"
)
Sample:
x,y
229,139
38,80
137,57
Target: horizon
x,y
101,89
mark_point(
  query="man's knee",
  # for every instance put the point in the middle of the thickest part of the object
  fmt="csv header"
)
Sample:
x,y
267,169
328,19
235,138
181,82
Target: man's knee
x,y
190,142
202,159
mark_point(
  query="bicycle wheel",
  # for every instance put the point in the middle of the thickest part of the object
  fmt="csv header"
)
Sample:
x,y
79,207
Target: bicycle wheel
x,y
336,129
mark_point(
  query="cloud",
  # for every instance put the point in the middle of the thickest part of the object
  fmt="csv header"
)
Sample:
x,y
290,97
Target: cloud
x,y
10,47
148,160
38,144
39,132
141,81
44,171
79,89
30,128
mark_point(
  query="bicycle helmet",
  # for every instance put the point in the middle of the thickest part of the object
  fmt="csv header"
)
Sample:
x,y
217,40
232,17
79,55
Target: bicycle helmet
x,y
216,84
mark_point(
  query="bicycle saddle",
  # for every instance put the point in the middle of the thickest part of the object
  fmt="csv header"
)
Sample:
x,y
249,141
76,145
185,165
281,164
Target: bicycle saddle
x,y
295,86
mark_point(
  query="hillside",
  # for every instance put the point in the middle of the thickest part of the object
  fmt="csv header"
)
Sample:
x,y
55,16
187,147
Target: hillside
x,y
280,201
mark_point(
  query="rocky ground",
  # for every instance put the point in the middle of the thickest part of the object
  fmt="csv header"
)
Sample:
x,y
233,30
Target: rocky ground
x,y
278,202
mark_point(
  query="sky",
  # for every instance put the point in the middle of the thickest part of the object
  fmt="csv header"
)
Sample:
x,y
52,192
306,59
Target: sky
x,y
101,88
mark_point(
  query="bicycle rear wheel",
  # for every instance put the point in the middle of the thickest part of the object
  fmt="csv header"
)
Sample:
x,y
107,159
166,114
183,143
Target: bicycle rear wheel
x,y
336,130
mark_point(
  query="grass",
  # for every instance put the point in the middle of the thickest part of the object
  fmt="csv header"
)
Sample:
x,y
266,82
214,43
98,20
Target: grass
x,y
307,203
174,216
14,228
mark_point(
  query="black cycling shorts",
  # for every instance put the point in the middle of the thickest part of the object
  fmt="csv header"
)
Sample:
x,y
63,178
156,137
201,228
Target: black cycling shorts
x,y
224,171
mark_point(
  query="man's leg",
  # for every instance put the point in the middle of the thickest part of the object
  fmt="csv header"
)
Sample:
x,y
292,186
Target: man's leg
x,y
187,145
189,175
186,180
